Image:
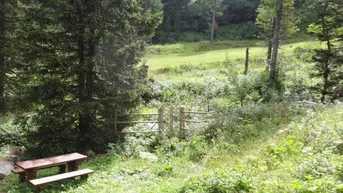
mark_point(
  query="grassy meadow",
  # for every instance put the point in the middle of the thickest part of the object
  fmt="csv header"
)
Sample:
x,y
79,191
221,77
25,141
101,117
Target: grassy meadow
x,y
279,146
163,61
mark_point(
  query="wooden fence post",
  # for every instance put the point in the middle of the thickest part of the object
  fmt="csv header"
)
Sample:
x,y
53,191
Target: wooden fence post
x,y
171,121
161,119
182,123
246,65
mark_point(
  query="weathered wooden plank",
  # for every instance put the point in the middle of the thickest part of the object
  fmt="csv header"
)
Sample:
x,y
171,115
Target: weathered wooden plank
x,y
21,173
18,171
182,123
59,177
196,121
161,119
51,161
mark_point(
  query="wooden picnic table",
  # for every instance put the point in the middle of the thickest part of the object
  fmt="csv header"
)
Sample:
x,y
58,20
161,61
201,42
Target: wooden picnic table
x,y
71,161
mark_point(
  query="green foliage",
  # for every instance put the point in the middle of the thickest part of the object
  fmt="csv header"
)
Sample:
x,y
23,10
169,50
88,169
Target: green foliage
x,y
221,182
177,37
267,12
304,54
251,87
250,121
197,148
186,21
73,79
294,155
154,5
328,28
166,170
243,31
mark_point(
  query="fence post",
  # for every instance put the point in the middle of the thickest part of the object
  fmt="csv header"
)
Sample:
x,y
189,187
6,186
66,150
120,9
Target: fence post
x,y
182,123
161,119
171,121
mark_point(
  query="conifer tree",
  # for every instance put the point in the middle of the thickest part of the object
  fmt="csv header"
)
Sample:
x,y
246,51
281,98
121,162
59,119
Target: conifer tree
x,y
328,27
79,68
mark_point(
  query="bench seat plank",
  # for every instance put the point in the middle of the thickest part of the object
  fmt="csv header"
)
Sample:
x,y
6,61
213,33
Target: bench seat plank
x,y
18,171
41,181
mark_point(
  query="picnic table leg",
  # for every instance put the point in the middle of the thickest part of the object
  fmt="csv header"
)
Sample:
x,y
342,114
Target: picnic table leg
x,y
84,177
31,174
22,177
40,188
62,169
73,166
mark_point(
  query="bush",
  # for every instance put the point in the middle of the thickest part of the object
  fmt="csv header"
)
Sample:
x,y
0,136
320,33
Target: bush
x,y
250,121
172,148
251,87
245,31
197,148
304,54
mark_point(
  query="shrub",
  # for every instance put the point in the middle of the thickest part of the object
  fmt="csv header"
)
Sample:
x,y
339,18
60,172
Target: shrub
x,y
171,148
197,148
244,31
304,54
165,170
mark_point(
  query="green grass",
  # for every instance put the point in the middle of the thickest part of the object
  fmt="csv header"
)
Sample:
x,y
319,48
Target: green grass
x,y
298,156
168,66
174,60
167,58
287,149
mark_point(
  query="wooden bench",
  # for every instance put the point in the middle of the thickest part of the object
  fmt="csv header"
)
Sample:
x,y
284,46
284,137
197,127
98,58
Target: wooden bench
x,y
39,183
21,173
28,169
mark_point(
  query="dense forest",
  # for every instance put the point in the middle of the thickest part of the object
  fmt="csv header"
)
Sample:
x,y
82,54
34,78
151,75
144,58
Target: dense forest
x,y
247,94
189,20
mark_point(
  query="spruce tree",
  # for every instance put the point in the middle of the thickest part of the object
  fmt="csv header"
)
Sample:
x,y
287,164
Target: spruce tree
x,y
328,28
80,67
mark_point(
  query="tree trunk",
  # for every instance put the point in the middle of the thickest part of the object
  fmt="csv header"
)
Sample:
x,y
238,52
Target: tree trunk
x,y
145,7
213,19
270,44
246,61
326,67
326,80
2,57
90,84
273,64
83,119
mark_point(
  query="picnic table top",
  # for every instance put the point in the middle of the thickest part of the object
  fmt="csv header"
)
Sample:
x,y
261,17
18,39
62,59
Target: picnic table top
x,y
50,161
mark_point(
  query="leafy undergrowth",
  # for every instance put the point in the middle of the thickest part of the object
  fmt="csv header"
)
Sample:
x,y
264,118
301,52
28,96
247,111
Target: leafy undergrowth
x,y
300,152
